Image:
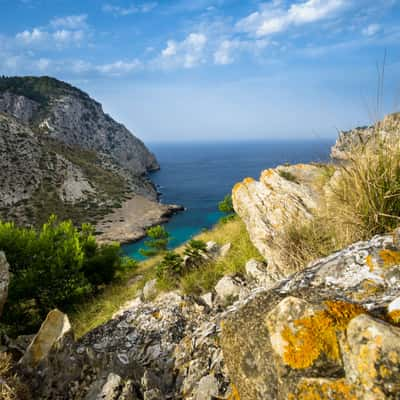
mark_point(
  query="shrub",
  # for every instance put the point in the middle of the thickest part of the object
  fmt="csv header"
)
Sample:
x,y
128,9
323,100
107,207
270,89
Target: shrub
x,y
287,175
194,250
54,267
226,205
158,242
170,267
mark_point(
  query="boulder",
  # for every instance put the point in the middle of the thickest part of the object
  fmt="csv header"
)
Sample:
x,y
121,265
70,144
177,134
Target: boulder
x,y
208,388
150,289
228,288
4,280
266,206
257,271
55,328
321,333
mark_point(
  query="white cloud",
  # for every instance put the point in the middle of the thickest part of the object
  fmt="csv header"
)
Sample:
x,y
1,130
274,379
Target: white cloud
x,y
119,68
274,17
187,53
371,30
132,9
228,49
70,22
66,37
32,37
43,64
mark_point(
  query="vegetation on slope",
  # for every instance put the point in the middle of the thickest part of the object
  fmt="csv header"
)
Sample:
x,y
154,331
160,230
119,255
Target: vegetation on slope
x,y
37,89
196,281
55,267
361,200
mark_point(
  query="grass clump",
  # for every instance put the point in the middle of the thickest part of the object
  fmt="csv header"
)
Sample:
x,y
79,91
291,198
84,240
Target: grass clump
x,y
360,200
288,176
11,387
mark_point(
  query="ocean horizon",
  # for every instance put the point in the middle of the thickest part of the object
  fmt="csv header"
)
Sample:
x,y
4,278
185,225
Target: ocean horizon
x,y
198,174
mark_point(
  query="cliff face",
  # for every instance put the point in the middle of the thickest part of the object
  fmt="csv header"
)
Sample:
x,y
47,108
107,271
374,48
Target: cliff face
x,y
348,141
60,153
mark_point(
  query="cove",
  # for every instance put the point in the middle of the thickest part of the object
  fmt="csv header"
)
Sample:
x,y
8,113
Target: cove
x,y
198,175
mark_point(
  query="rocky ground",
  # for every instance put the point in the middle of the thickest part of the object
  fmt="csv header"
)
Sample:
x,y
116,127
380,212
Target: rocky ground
x,y
328,331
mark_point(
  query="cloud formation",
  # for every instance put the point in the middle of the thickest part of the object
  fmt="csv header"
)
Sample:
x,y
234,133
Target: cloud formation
x,y
128,10
188,53
274,18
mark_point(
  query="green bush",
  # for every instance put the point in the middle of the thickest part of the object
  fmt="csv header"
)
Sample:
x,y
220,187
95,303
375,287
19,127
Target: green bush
x,y
157,243
226,205
194,250
170,267
54,267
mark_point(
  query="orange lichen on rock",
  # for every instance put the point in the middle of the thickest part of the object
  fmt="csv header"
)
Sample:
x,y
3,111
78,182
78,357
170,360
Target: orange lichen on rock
x,y
389,257
234,394
248,180
237,187
369,263
316,334
267,173
394,317
313,389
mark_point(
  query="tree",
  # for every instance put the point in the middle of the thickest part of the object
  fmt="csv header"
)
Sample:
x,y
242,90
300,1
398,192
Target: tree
x,y
157,243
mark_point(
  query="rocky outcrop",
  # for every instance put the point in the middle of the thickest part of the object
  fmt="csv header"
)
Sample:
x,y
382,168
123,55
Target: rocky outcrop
x,y
325,332
350,141
329,331
269,205
60,149
4,280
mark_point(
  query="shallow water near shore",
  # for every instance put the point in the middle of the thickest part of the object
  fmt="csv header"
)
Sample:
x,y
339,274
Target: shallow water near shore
x,y
198,175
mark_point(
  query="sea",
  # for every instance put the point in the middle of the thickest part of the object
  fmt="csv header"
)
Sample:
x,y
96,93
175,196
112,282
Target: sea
x,y
198,175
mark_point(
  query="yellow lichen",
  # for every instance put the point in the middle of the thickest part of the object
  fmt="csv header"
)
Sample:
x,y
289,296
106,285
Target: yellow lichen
x,y
234,394
267,173
389,257
384,371
248,180
394,317
326,390
236,187
316,334
369,263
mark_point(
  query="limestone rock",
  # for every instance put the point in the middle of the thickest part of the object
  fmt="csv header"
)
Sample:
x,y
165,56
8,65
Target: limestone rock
x,y
258,271
228,288
55,327
268,205
372,358
150,289
349,141
322,331
224,250
208,388
4,280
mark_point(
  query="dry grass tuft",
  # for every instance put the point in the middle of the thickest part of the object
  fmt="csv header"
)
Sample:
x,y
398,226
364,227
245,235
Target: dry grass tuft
x,y
11,388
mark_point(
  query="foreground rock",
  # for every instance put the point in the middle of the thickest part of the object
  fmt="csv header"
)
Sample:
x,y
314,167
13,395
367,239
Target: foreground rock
x,y
322,333
269,205
4,280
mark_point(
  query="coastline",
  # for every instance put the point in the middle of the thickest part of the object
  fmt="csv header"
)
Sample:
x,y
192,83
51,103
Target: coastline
x,y
129,223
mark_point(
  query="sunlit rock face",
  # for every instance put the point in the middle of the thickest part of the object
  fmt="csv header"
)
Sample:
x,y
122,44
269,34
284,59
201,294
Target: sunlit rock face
x,y
353,140
269,205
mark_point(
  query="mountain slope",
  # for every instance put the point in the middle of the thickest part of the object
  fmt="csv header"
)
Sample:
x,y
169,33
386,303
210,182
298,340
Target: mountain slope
x,y
60,153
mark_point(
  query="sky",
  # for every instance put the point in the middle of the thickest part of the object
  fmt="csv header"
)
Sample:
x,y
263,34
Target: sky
x,y
215,69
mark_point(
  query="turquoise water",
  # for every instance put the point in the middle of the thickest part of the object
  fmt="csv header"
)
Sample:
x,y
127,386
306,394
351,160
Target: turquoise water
x,y
199,175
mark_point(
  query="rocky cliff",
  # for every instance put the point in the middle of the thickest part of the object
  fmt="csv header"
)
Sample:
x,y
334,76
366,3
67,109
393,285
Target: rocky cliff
x,y
61,153
348,141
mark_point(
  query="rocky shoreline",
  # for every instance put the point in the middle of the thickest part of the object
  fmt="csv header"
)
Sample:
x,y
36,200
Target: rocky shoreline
x,y
128,223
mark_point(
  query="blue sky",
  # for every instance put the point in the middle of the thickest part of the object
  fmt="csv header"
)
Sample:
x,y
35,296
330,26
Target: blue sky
x,y
214,69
